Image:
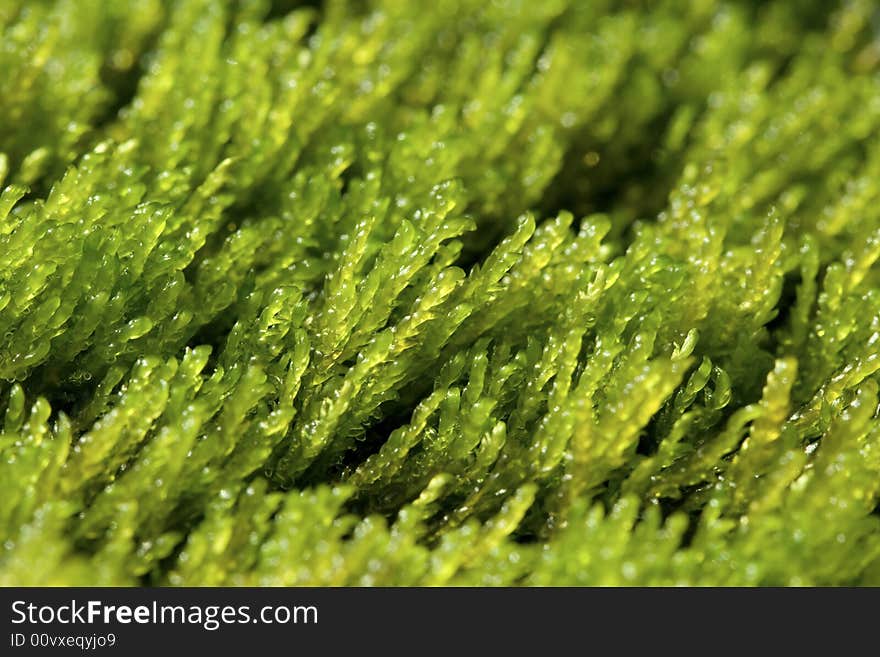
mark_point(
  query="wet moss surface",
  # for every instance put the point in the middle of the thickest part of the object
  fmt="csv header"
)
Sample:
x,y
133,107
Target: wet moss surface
x,y
465,293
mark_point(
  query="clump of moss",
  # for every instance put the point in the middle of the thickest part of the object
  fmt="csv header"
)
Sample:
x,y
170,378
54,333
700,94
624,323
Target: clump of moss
x,y
382,293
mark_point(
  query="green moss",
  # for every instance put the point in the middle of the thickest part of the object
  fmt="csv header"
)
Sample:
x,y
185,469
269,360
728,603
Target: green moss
x,y
382,293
